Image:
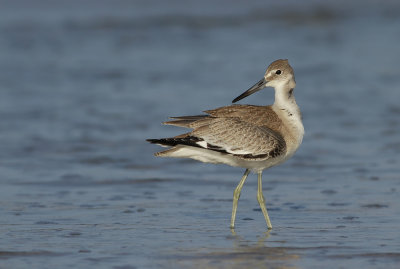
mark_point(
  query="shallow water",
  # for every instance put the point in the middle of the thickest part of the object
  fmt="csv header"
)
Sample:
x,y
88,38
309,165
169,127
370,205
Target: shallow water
x,y
83,85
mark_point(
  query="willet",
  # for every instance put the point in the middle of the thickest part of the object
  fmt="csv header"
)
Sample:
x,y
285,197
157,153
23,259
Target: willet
x,y
248,136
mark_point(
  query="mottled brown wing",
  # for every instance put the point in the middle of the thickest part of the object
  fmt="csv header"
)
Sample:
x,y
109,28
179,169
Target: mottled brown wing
x,y
257,115
240,138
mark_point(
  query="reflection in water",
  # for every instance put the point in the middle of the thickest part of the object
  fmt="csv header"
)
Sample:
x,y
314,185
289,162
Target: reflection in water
x,y
243,254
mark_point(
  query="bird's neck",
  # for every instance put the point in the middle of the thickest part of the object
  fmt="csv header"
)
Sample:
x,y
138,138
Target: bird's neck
x,y
286,107
284,99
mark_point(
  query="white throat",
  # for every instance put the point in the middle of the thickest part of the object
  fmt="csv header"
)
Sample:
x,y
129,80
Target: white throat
x,y
285,105
284,97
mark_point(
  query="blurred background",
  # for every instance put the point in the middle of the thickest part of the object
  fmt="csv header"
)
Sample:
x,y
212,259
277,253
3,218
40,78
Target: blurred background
x,y
84,83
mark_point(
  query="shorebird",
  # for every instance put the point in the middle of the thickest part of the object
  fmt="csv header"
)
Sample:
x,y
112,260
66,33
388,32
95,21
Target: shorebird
x,y
248,136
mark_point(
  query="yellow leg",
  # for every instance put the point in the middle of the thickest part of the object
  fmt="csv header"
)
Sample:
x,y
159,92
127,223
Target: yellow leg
x,y
261,201
236,195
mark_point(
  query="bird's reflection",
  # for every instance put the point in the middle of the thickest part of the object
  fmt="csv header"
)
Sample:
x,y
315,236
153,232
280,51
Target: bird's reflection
x,y
261,241
245,253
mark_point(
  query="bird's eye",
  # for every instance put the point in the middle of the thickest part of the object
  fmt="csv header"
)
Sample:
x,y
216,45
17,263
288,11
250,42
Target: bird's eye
x,y
278,72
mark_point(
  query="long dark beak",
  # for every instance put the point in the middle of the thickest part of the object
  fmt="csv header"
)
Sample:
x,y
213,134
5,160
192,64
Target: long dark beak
x,y
255,88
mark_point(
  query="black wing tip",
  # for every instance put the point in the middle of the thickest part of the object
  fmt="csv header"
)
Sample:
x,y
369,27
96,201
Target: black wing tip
x,y
187,141
191,141
173,141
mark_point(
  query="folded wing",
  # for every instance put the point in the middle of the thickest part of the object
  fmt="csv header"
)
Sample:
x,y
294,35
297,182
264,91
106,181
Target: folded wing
x,y
226,132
